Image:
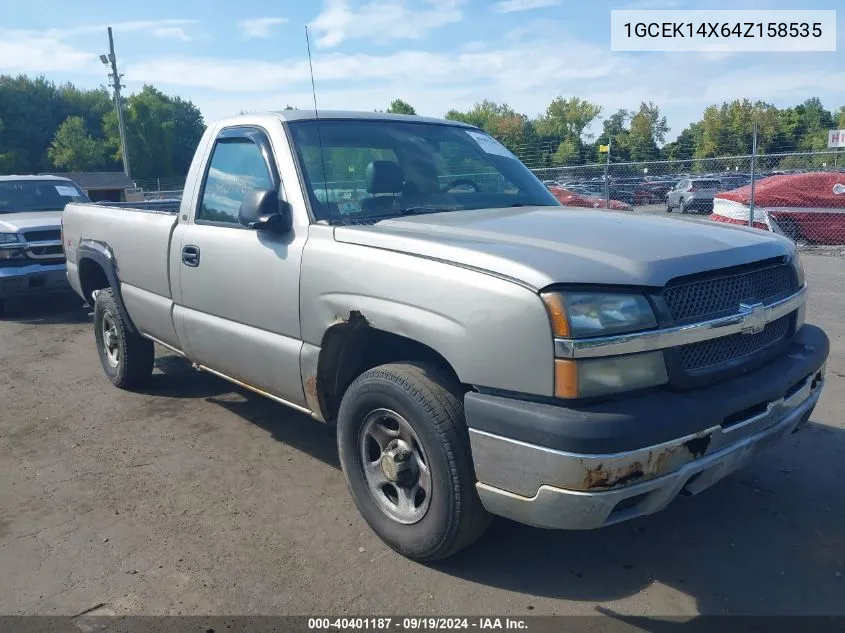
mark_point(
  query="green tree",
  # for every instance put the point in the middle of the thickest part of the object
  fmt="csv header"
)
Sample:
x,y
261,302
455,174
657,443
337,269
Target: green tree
x,y
73,149
162,133
684,147
728,129
512,129
562,129
841,117
5,156
567,118
648,128
397,106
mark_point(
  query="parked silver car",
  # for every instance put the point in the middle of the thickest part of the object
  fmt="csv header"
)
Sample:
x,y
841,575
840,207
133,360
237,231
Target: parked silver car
x,y
693,194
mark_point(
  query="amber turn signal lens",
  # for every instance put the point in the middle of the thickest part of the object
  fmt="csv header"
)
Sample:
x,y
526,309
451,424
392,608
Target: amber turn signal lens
x,y
557,313
566,378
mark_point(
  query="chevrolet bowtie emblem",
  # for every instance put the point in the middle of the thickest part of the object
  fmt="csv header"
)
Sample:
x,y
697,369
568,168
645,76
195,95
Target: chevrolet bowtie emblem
x,y
753,317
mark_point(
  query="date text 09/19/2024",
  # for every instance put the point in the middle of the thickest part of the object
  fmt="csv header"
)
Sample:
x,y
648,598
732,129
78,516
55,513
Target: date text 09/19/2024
x,y
415,623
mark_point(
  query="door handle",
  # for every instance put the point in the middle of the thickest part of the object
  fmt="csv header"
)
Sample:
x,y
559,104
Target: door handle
x,y
191,256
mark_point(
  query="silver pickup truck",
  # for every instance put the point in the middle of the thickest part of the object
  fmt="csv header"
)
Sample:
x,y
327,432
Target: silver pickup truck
x,y
31,257
481,349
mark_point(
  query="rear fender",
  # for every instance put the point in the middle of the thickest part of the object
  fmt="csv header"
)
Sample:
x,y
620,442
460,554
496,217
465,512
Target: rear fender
x,y
102,255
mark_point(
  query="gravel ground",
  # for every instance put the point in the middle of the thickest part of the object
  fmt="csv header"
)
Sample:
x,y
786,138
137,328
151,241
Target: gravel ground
x,y
196,497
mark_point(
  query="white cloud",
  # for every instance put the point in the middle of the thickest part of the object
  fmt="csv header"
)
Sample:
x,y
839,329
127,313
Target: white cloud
x,y
170,27
382,20
259,27
50,51
511,6
171,32
22,53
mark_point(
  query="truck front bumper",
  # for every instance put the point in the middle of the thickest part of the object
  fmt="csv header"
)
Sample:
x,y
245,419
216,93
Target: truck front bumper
x,y
33,279
581,468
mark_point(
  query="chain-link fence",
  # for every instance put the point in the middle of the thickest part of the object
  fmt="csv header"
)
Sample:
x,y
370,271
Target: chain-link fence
x,y
797,194
161,188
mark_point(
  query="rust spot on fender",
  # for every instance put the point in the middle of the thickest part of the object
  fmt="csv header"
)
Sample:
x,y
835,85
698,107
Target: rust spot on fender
x,y
355,318
311,392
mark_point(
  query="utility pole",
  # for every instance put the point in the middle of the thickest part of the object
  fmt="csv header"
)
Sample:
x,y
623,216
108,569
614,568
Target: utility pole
x,y
110,60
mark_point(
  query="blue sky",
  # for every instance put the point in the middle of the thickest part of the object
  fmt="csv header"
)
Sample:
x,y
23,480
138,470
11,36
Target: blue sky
x,y
436,54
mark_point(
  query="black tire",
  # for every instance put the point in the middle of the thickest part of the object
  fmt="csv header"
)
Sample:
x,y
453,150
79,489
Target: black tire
x,y
668,206
431,405
2,307
133,362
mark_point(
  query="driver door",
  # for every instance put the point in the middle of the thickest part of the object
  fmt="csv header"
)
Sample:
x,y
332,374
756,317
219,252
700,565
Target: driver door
x,y
240,287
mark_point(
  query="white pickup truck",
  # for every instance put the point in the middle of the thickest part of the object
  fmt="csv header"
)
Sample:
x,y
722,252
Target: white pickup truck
x,y
481,348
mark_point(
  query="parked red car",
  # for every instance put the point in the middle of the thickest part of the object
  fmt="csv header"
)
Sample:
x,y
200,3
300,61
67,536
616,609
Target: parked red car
x,y
809,206
572,199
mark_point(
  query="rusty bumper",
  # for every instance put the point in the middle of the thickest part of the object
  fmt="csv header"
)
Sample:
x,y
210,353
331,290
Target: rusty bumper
x,y
557,489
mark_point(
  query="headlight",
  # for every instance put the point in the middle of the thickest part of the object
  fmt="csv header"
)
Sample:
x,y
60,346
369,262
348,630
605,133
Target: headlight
x,y
585,315
9,238
602,376
10,246
579,314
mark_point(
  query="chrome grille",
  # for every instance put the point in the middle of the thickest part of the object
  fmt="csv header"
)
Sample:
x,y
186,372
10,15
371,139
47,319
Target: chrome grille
x,y
45,235
709,298
708,354
44,244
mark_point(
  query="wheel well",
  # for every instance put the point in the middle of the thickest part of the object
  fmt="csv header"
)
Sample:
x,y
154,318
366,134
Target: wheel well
x,y
91,277
351,348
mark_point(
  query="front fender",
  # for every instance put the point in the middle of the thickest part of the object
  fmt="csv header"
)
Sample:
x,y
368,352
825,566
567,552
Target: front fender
x,y
495,333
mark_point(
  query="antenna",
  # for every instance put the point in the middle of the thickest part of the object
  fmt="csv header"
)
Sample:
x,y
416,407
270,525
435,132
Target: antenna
x,y
317,117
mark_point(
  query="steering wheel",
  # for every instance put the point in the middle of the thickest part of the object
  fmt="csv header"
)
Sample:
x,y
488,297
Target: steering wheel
x,y
462,181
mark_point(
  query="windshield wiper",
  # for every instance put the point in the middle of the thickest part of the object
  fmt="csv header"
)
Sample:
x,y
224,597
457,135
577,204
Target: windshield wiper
x,y
376,217
421,210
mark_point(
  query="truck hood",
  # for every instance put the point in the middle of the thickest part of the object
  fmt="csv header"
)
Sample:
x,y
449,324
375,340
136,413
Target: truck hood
x,y
16,222
540,246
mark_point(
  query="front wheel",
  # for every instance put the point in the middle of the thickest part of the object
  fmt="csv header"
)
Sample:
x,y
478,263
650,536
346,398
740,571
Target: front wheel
x,y
404,450
126,357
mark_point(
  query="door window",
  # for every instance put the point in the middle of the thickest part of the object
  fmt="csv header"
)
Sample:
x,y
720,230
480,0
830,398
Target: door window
x,y
237,167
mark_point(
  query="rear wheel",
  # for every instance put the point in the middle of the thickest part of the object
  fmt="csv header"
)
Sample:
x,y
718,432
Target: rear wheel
x,y
404,449
2,307
126,357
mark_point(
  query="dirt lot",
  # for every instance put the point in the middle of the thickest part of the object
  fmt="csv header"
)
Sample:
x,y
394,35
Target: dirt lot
x,y
197,497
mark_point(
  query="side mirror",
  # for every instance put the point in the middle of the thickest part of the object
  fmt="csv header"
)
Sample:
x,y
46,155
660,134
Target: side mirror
x,y
263,211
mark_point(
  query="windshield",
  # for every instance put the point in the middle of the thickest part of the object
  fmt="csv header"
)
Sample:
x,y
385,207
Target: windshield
x,y
372,169
19,196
